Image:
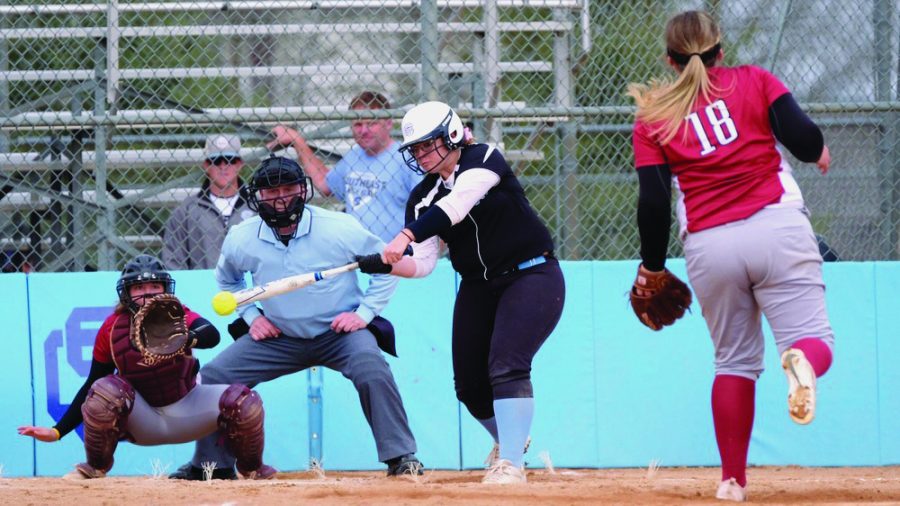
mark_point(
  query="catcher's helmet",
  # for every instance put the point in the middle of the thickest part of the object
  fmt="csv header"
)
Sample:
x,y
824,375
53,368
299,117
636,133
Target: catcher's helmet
x,y
427,121
273,172
142,269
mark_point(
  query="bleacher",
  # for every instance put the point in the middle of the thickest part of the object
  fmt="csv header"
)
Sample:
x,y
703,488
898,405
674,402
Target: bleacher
x,y
95,99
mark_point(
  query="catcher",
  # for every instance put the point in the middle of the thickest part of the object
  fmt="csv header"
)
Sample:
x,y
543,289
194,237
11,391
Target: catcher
x,y
142,384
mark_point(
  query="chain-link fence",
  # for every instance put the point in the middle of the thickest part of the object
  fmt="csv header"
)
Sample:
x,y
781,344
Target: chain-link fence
x,y
105,107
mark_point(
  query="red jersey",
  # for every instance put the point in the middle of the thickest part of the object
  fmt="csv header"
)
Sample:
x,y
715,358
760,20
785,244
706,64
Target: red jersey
x,y
723,159
102,350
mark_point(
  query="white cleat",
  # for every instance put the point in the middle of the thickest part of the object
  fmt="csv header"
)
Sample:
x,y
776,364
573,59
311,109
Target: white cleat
x,y
83,471
503,472
74,475
495,453
729,490
801,386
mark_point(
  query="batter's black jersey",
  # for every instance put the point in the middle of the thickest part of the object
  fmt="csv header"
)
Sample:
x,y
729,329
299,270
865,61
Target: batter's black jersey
x,y
501,231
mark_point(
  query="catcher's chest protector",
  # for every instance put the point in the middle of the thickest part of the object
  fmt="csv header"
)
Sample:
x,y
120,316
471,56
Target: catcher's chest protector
x,y
160,384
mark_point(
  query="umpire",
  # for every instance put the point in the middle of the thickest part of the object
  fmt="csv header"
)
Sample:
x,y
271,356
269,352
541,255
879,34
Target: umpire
x,y
329,324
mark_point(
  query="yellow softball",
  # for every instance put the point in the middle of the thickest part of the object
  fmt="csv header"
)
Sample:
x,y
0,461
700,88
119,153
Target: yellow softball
x,y
224,303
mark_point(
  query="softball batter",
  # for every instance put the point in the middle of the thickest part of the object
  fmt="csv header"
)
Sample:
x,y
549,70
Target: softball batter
x,y
512,289
748,242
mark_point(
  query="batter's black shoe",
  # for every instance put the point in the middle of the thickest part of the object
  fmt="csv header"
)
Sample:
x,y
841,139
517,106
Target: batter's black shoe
x,y
193,473
406,464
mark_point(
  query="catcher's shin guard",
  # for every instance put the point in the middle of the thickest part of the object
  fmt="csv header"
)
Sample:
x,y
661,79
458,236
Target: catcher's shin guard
x,y
105,412
241,418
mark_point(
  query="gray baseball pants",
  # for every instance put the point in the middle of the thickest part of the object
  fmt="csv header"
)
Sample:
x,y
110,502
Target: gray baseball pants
x,y
766,264
355,355
190,418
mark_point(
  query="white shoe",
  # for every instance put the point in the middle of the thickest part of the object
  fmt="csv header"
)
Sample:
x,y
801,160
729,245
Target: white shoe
x,y
74,475
801,386
83,471
495,453
503,472
729,490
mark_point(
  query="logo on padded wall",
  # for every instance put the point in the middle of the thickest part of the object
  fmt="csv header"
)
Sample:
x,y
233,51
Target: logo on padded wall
x,y
77,340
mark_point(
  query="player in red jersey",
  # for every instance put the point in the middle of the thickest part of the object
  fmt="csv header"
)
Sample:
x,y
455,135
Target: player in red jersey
x,y
748,242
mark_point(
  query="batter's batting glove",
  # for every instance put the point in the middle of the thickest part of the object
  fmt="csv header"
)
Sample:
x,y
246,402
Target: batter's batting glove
x,y
372,264
659,298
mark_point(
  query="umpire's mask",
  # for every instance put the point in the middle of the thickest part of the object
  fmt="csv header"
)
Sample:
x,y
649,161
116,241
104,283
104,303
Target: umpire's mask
x,y
278,191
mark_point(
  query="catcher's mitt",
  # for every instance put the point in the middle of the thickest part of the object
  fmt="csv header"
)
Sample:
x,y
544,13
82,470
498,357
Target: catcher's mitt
x,y
659,298
159,329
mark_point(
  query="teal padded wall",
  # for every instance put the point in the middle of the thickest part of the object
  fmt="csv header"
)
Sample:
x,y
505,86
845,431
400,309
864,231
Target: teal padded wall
x,y
609,392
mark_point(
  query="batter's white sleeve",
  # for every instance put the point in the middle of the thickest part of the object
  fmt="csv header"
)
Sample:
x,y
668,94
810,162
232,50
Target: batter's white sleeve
x,y
425,255
470,187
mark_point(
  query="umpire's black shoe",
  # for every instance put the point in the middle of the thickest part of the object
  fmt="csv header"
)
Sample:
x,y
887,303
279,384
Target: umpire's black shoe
x,y
405,464
193,473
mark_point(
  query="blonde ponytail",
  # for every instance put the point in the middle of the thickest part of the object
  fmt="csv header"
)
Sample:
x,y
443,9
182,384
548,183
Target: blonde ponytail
x,y
692,36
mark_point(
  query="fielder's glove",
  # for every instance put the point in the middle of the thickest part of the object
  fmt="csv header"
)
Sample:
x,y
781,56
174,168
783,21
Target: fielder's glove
x,y
659,298
159,329
372,264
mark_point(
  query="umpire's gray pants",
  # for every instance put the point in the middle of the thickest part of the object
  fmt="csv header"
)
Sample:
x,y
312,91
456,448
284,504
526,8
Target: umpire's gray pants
x,y
355,355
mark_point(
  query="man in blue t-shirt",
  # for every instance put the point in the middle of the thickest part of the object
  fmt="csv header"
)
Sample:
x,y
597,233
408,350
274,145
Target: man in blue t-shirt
x,y
372,180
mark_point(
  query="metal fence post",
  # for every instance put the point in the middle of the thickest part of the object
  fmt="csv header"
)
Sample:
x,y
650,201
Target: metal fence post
x,y
4,85
106,220
776,47
314,397
75,150
430,50
895,156
567,141
889,167
478,86
112,51
491,68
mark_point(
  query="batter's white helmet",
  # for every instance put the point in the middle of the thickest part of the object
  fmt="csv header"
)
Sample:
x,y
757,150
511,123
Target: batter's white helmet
x,y
428,121
431,120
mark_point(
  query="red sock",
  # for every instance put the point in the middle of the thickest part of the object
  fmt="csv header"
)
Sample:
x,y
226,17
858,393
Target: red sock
x,y
817,352
733,400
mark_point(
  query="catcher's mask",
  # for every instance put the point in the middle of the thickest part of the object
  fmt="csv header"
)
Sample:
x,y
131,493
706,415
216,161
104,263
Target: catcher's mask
x,y
287,209
142,269
426,122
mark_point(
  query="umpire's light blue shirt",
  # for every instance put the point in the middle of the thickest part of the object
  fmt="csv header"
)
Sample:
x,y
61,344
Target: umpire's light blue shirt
x,y
324,239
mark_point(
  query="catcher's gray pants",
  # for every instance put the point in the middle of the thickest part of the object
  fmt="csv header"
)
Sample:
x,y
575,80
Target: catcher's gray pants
x,y
355,355
769,262
190,418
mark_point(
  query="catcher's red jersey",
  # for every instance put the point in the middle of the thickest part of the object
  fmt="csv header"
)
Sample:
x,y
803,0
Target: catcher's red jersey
x,y
723,159
102,351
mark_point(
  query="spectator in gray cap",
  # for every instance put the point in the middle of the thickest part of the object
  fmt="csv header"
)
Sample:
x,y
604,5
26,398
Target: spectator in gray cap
x,y
195,230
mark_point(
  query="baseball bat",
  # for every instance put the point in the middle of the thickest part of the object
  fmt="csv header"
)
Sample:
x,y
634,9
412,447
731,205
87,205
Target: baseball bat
x,y
224,303
228,301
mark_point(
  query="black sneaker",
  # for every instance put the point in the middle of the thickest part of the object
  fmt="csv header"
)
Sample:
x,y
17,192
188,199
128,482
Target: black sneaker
x,y
405,464
193,473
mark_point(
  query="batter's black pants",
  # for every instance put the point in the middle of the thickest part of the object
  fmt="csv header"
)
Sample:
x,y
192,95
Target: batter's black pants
x,y
498,327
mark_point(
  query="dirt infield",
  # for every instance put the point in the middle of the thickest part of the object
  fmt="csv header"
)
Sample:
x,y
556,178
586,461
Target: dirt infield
x,y
770,485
